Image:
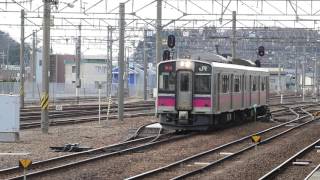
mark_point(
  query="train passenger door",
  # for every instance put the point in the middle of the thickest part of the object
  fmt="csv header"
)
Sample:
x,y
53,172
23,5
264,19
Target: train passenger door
x,y
184,90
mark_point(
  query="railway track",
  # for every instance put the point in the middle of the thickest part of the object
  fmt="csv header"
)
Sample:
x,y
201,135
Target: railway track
x,y
76,113
36,109
312,175
187,167
131,145
293,161
58,122
83,114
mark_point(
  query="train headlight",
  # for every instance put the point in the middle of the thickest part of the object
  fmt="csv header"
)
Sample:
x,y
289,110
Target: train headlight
x,y
187,64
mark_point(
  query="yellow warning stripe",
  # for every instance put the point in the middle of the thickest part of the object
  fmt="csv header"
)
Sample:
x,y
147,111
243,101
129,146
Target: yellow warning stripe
x,y
21,91
44,101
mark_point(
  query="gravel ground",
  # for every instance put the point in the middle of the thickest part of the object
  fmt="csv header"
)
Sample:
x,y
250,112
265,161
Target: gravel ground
x,y
132,164
87,134
252,165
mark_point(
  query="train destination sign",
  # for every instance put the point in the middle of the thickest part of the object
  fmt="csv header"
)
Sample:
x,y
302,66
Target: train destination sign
x,y
202,68
167,67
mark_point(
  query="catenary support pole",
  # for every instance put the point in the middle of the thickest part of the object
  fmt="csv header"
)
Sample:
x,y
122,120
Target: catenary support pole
x,y
303,80
33,62
121,60
145,66
279,76
22,74
109,66
45,65
234,41
296,77
158,29
316,79
78,62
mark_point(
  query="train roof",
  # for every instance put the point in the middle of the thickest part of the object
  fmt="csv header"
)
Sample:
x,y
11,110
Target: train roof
x,y
240,67
223,65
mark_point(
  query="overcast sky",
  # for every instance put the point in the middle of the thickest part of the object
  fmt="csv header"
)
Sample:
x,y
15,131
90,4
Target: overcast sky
x,y
95,33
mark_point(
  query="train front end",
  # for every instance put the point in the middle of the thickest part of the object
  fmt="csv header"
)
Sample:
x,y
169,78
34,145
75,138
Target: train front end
x,y
184,100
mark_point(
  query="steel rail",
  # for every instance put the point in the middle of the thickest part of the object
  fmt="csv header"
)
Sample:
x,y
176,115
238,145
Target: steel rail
x,y
312,172
154,171
287,162
91,159
63,157
83,106
75,113
81,120
239,152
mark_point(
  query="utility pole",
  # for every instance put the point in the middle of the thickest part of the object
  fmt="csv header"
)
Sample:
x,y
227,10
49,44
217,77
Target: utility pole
x,y
145,70
33,62
127,71
279,76
158,28
8,53
234,41
109,62
22,61
303,80
78,54
45,65
296,76
121,60
315,80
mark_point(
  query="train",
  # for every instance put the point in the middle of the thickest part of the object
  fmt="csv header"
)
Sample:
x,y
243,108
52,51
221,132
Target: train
x,y
202,95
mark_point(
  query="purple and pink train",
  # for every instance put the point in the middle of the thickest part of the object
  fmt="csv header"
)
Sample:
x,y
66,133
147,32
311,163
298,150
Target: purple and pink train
x,y
202,95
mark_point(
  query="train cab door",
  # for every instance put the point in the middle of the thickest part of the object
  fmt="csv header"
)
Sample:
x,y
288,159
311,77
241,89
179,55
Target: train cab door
x,y
184,90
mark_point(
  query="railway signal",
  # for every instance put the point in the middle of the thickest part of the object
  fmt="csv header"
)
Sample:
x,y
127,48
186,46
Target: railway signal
x,y
166,55
25,163
261,51
258,63
256,139
171,41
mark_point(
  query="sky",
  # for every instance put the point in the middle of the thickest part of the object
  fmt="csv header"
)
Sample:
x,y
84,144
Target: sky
x,y
66,16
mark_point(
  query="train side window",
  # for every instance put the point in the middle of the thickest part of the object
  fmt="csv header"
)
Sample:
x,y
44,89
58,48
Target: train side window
x,y
236,83
202,84
225,83
263,81
254,83
244,83
184,82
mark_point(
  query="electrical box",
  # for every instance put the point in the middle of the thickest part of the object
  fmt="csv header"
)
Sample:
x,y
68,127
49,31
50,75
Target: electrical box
x,y
9,118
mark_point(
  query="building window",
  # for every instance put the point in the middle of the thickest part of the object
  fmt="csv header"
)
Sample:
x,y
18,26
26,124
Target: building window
x,y
73,69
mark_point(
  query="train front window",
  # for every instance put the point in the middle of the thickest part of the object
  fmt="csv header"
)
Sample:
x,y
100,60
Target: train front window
x,y
202,84
167,82
184,82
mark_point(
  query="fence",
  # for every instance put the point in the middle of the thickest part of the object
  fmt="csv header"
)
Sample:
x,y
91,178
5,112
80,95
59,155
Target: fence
x,y
62,90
